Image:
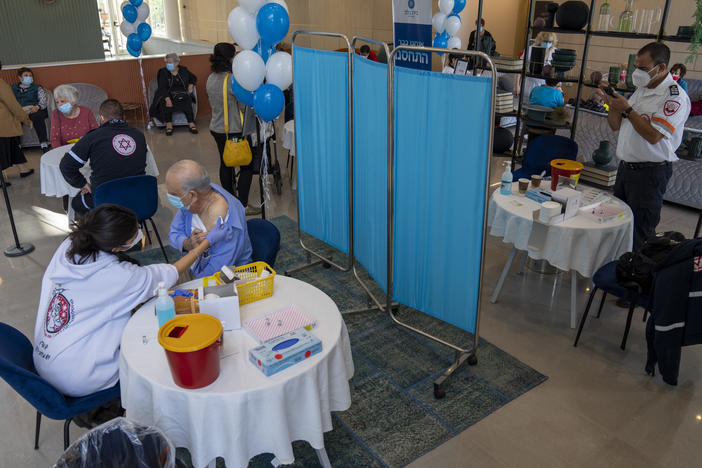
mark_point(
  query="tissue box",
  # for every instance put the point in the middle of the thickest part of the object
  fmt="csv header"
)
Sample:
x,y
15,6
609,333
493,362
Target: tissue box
x,y
225,307
284,351
570,199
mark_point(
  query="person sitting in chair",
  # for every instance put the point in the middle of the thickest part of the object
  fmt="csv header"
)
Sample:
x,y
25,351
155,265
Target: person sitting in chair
x,y
548,94
174,93
203,206
70,121
34,100
115,150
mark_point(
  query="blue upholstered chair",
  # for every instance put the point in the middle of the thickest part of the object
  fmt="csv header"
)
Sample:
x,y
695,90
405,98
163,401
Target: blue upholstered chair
x,y
265,240
17,369
606,279
139,194
542,151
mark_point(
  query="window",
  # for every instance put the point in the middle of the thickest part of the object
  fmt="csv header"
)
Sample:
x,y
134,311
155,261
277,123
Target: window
x,y
157,18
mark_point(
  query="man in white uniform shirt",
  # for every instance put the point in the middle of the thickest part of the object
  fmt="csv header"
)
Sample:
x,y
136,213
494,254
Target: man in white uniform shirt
x,y
650,125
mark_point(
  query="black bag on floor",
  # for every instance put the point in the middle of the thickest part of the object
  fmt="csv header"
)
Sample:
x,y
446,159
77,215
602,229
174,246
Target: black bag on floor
x,y
637,267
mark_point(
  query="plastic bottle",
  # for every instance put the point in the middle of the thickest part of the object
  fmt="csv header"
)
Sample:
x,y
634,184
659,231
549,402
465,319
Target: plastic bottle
x,y
506,185
165,308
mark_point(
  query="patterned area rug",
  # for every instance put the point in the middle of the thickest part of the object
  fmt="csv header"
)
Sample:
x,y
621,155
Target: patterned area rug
x,y
394,417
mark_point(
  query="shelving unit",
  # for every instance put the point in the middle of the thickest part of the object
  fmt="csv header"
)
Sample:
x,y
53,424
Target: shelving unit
x,y
588,33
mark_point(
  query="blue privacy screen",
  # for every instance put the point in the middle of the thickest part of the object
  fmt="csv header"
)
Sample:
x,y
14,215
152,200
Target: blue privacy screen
x,y
370,103
442,131
322,139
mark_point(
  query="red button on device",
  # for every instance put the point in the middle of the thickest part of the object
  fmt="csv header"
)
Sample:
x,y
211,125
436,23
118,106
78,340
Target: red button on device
x,y
308,353
278,356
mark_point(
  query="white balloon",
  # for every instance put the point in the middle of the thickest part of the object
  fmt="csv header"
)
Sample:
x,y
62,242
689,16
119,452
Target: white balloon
x,y
279,70
242,27
142,12
454,43
248,69
452,25
445,6
439,21
128,28
252,6
281,3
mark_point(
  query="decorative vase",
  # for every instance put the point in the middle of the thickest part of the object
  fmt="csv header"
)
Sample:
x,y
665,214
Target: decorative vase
x,y
694,148
602,156
501,140
631,66
572,15
603,21
613,76
626,18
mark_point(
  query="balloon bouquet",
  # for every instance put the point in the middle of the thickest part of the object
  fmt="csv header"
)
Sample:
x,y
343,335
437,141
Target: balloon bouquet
x,y
257,26
134,26
447,23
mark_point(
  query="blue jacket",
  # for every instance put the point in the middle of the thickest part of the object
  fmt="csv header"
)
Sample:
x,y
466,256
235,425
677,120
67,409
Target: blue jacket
x,y
676,319
237,251
547,97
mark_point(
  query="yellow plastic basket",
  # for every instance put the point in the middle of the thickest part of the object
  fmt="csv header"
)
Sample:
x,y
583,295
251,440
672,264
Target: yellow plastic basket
x,y
258,288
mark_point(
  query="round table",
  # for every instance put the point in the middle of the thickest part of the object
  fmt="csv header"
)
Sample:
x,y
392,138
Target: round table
x,y
243,413
54,185
578,244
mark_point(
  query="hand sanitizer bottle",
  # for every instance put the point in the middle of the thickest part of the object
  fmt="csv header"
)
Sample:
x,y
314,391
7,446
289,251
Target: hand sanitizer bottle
x,y
165,308
506,185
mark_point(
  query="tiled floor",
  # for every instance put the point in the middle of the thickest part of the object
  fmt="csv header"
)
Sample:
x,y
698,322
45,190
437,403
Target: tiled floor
x,y
598,407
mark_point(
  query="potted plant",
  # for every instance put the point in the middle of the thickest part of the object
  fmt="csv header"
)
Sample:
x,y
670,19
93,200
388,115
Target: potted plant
x,y
696,40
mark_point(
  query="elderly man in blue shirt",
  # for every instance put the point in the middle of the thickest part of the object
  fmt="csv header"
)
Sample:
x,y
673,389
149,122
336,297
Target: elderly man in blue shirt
x,y
202,206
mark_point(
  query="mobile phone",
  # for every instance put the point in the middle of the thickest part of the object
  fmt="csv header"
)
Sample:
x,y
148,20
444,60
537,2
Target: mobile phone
x,y
609,90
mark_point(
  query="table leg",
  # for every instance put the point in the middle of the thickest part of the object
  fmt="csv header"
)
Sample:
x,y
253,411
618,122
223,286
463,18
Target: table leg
x,y
323,458
522,262
505,270
573,297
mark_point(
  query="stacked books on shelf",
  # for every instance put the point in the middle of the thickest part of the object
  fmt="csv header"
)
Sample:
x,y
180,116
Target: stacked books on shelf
x,y
602,176
504,102
508,64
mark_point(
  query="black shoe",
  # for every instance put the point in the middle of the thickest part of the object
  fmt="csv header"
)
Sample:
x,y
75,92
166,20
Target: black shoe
x,y
7,184
193,130
623,303
44,149
27,174
169,131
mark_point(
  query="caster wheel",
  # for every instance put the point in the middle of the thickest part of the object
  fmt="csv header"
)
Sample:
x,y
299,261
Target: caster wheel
x,y
439,392
473,360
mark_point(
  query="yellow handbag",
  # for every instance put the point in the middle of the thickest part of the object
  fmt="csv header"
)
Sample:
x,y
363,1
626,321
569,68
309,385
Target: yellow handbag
x,y
236,153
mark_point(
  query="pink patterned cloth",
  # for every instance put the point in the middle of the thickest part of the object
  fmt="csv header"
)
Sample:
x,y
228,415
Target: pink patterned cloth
x,y
64,129
271,325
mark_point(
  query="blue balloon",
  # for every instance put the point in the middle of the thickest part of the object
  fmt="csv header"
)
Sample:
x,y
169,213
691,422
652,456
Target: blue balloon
x,y
272,23
269,101
136,3
243,95
446,36
440,41
134,42
144,31
133,52
130,13
264,50
458,5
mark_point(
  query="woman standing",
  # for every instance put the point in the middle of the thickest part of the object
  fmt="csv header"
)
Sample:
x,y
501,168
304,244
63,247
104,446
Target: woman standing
x,y
241,123
174,93
12,116
69,122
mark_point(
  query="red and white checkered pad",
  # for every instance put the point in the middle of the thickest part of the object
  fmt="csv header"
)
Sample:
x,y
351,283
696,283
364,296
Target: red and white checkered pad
x,y
697,265
266,326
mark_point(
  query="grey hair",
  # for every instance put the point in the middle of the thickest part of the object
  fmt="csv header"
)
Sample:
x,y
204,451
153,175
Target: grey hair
x,y
66,92
173,56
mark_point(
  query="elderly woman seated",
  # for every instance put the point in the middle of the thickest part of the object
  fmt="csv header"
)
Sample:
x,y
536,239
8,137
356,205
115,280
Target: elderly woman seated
x,y
174,93
33,100
203,206
69,122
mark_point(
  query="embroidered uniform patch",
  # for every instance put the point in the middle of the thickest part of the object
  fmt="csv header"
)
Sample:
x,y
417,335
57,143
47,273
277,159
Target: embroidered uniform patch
x,y
124,144
697,265
674,91
670,107
58,314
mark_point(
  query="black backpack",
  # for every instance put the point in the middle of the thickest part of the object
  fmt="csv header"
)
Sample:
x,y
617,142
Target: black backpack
x,y
637,267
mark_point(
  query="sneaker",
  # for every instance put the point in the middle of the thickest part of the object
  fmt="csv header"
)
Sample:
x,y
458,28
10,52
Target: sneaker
x,y
253,210
27,174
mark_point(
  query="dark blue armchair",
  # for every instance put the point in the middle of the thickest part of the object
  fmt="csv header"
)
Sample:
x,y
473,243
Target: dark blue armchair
x,y
265,240
542,151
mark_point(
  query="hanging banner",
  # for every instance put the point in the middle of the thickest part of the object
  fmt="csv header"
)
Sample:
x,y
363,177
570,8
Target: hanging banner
x,y
412,20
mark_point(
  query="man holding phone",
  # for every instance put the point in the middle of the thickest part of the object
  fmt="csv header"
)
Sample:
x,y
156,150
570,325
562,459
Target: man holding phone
x,y
651,125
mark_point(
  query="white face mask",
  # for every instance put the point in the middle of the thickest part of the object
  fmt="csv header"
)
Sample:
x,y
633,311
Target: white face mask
x,y
641,78
137,239
547,44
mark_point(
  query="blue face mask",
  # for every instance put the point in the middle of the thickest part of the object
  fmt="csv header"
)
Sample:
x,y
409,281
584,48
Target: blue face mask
x,y
547,44
27,80
65,108
177,202
170,67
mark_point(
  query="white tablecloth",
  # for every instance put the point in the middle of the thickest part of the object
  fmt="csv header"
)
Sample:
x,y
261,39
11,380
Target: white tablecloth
x,y
579,243
243,413
54,185
289,136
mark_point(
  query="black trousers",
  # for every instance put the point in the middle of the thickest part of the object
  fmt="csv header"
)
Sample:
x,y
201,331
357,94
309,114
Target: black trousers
x,y
186,107
82,203
38,119
643,189
227,175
